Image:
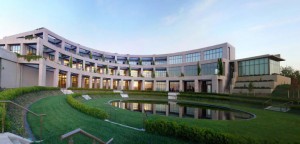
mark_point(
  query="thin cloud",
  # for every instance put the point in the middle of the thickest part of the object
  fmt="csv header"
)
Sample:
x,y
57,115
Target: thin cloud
x,y
278,23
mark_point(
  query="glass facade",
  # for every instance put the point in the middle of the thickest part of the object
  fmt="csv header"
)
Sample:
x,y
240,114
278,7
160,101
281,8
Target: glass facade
x,y
160,62
15,49
208,69
274,67
213,54
175,59
193,57
148,85
147,73
254,67
161,86
160,73
189,86
190,70
134,73
174,86
146,62
174,71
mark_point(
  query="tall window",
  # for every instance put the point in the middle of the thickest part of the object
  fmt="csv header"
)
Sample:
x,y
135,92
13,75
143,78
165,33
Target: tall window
x,y
160,86
175,59
134,73
274,67
191,70
174,71
254,67
213,54
193,57
208,69
148,85
160,62
15,49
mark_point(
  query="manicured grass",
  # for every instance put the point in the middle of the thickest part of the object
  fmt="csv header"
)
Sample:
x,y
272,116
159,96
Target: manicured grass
x,y
62,118
268,125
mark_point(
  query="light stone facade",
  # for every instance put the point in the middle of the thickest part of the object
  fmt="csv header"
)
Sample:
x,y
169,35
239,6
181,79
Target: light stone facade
x,y
89,66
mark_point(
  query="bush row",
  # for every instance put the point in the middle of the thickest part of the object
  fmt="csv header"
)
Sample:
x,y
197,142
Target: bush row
x,y
98,113
10,94
194,134
89,89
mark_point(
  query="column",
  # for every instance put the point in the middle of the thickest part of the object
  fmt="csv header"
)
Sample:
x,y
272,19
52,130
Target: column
x,y
77,50
142,72
142,107
131,84
143,85
167,110
83,65
95,83
180,85
111,83
68,80
215,84
101,82
23,50
121,84
181,111
79,80
90,82
153,108
154,85
196,85
214,114
42,73
63,43
167,85
196,113
55,77
39,48
56,57
95,68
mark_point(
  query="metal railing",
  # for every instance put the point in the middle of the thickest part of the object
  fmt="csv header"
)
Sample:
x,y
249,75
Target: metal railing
x,y
27,110
69,135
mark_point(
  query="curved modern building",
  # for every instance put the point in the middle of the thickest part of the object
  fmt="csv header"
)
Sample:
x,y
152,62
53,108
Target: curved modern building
x,y
46,59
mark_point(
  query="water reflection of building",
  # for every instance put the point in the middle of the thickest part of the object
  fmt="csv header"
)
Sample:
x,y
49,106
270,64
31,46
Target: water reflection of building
x,y
173,109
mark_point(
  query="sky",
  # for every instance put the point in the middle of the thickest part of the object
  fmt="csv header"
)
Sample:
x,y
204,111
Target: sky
x,y
253,27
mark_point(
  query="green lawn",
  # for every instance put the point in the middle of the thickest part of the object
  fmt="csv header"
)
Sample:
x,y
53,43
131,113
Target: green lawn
x,y
61,118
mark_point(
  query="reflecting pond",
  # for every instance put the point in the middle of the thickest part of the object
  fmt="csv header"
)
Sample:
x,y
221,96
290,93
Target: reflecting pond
x,y
183,110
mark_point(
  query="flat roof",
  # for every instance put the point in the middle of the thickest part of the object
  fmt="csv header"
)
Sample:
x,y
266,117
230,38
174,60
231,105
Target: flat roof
x,y
273,57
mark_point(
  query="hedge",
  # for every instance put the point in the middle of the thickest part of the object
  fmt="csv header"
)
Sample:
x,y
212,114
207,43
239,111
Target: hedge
x,y
97,113
194,134
10,94
89,89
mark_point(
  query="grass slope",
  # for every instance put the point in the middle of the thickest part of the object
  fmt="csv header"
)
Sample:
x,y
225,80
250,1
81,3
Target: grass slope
x,y
62,118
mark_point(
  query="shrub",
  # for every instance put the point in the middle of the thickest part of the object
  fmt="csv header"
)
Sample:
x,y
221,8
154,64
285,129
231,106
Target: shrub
x,y
11,94
193,134
97,113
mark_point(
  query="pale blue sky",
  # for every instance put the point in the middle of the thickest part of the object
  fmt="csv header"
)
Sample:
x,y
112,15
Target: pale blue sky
x,y
164,26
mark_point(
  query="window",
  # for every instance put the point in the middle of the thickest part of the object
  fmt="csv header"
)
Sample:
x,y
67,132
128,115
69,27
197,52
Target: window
x,y
133,62
254,67
175,59
146,62
147,73
193,57
2,46
208,69
160,73
213,54
174,71
134,73
191,70
174,86
148,85
160,86
274,67
15,49
31,51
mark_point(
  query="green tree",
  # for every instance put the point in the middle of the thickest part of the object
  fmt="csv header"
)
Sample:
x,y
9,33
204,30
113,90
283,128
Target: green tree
x,y
198,68
250,87
106,68
220,66
91,56
70,62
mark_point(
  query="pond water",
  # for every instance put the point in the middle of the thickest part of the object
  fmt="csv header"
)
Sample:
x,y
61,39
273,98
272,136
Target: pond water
x,y
182,110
